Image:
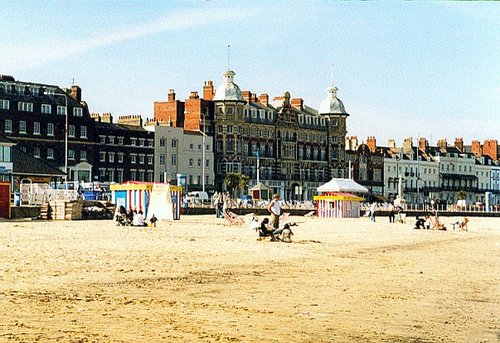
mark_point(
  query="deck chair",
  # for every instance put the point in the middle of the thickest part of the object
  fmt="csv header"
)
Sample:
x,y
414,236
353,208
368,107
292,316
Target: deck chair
x,y
436,224
232,218
310,214
461,225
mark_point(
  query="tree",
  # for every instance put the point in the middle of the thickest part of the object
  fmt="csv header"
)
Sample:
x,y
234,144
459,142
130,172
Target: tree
x,y
236,181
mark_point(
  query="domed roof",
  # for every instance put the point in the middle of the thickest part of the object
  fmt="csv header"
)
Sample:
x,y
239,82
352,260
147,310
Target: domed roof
x,y
332,104
228,90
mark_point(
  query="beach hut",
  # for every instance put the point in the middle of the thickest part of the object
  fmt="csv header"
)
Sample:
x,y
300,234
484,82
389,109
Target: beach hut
x,y
5,196
161,199
337,199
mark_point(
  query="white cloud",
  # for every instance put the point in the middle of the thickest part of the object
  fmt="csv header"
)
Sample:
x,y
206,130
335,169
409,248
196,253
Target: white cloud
x,y
15,58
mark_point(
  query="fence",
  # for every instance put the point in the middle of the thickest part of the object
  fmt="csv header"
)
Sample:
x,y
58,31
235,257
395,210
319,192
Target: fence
x,y
36,194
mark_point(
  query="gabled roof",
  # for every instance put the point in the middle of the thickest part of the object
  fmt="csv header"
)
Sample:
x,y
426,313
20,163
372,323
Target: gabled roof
x,y
25,164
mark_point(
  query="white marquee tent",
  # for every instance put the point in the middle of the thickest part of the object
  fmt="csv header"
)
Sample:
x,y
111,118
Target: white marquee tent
x,y
342,186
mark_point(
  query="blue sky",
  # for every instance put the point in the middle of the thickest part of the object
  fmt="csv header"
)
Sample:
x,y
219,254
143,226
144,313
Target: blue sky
x,y
403,69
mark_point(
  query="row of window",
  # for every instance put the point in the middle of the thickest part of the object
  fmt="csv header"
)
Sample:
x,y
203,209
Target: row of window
x,y
117,175
50,153
120,141
50,129
44,108
134,158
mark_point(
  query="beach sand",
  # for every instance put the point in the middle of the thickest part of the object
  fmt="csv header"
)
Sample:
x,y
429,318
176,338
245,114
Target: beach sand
x,y
198,280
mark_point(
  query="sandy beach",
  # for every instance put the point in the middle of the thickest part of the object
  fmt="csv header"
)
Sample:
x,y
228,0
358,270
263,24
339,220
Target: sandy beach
x,y
198,280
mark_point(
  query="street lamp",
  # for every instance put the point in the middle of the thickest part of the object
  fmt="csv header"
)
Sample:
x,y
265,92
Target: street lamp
x,y
65,133
203,151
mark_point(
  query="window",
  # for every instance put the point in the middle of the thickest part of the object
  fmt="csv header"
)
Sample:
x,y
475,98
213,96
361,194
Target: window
x,y
162,159
102,139
199,146
150,159
8,126
198,179
36,128
174,143
191,146
50,153
36,152
151,143
141,141
230,129
190,163
174,159
102,156
133,174
71,131
50,129
162,141
25,106
111,157
229,111
120,157
71,154
61,110
22,126
120,140
133,141
141,159
46,109
111,140
4,104
77,111
83,132
83,155
133,158
199,162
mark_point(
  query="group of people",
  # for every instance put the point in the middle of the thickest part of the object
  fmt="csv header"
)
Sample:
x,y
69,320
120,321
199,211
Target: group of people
x,y
133,217
221,203
392,210
270,227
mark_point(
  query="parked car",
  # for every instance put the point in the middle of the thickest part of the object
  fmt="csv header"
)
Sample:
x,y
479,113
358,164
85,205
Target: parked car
x,y
197,197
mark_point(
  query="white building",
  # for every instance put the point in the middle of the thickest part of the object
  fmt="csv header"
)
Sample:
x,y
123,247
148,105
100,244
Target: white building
x,y
181,152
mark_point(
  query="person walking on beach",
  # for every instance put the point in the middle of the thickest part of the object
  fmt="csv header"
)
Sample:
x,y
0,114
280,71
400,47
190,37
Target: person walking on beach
x,y
274,209
373,208
392,213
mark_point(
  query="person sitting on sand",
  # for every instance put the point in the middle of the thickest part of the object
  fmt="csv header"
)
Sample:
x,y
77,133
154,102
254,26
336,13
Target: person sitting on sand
x,y
139,219
267,230
419,223
153,220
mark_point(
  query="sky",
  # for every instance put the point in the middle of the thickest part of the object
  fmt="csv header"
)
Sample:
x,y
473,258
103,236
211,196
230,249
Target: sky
x,y
403,69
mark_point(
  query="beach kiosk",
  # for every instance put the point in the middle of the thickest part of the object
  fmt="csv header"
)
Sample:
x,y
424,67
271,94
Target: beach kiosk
x,y
163,199
338,199
260,192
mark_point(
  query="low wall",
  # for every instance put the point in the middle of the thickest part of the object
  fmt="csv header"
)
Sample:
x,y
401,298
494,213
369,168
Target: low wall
x,y
20,212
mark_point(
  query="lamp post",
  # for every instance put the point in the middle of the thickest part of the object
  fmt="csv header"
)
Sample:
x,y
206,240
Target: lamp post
x,y
65,135
203,151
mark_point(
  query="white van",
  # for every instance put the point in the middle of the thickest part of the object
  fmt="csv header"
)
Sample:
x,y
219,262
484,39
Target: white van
x,y
197,197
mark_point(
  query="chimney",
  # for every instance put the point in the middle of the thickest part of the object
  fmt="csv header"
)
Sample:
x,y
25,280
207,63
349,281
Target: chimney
x,y
476,148
423,144
106,118
490,148
372,143
208,90
407,145
246,95
391,144
194,95
132,120
264,99
442,143
254,97
76,93
171,95
459,144
298,103
96,117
